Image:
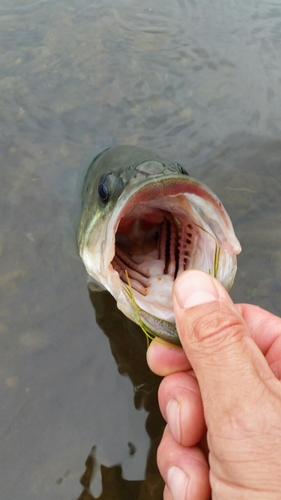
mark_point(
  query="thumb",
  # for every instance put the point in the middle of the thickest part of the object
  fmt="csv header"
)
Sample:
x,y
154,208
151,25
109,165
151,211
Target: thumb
x,y
240,395
227,363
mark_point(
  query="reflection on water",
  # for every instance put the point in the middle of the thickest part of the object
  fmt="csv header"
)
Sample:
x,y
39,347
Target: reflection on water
x,y
195,81
128,347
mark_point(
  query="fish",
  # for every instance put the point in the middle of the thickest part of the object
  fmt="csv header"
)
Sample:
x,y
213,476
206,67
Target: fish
x,y
143,222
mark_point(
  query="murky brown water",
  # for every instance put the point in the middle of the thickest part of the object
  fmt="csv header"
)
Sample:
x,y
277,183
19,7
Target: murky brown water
x,y
195,81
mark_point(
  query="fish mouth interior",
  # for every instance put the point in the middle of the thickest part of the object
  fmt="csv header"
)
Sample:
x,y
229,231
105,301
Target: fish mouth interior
x,y
154,243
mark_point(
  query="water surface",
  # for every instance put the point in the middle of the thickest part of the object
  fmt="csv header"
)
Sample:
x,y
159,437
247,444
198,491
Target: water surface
x,y
195,81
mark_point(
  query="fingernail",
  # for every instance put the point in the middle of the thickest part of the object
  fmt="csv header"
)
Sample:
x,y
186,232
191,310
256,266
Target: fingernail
x,y
177,482
194,288
173,418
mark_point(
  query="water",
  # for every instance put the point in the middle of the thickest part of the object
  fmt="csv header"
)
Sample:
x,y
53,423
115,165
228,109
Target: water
x,y
198,82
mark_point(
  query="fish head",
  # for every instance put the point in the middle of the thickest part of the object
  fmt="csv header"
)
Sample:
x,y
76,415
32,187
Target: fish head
x,y
145,221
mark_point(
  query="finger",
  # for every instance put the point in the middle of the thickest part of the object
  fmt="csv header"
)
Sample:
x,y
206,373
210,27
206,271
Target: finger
x,y
167,495
181,406
184,469
265,329
264,326
238,388
273,357
214,335
164,358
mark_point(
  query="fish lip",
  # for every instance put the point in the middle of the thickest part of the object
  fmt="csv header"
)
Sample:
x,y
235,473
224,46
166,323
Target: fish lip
x,y
157,188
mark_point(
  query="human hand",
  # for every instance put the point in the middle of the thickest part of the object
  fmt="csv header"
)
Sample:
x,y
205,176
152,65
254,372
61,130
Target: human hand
x,y
225,380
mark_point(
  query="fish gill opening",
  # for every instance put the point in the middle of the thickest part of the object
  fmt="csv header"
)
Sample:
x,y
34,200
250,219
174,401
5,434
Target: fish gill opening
x,y
153,246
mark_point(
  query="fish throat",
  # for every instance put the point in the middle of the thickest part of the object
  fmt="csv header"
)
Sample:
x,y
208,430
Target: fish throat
x,y
154,243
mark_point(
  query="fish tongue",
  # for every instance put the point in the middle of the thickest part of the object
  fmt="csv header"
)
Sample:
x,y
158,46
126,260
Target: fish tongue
x,y
150,264
146,247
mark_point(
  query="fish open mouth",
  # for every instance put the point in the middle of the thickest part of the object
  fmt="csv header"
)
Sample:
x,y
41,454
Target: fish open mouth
x,y
163,231
153,242
144,222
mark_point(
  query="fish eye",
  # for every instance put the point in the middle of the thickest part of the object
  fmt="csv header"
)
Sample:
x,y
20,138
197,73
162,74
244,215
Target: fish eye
x,y
183,171
103,188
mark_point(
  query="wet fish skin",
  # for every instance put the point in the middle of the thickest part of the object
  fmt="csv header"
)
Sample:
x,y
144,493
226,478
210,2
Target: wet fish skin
x,y
118,164
127,182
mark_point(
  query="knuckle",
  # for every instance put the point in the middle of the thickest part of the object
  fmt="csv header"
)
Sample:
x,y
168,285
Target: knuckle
x,y
217,326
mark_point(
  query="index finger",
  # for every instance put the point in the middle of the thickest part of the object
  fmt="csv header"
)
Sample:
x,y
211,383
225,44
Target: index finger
x,y
265,329
164,358
264,326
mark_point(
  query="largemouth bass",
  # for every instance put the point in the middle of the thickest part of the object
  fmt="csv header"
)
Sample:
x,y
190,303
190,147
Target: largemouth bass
x,y
144,221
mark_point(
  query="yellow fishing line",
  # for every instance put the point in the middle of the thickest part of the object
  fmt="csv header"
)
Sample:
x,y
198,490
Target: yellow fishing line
x,y
136,310
149,337
217,251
